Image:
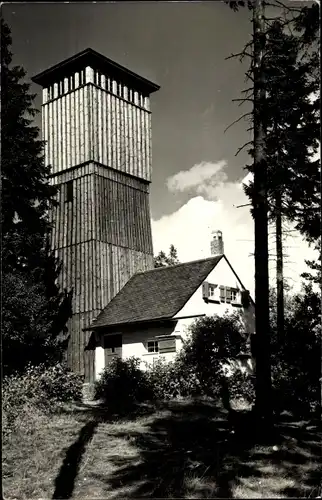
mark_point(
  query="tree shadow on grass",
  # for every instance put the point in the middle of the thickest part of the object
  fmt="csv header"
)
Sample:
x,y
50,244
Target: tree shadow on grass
x,y
191,449
187,450
300,456
191,452
65,481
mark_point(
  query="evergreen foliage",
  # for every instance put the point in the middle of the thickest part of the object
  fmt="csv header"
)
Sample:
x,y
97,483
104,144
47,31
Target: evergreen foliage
x,y
292,122
296,363
35,311
285,85
163,260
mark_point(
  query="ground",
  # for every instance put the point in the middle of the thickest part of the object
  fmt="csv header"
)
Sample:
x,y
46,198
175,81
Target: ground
x,y
176,450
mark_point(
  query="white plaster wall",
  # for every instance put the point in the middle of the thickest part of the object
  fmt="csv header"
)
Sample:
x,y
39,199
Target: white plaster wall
x,y
134,344
99,361
221,275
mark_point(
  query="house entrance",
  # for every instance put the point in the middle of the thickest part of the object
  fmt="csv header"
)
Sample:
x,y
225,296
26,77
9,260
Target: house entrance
x,y
112,347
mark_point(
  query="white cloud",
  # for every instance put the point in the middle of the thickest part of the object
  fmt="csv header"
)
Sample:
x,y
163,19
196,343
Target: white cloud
x,y
214,206
197,175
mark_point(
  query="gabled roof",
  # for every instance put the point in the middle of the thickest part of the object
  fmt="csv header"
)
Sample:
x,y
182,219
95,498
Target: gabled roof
x,y
98,62
156,294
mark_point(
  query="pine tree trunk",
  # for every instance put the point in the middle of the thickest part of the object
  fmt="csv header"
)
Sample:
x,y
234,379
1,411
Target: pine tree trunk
x,y
279,268
263,406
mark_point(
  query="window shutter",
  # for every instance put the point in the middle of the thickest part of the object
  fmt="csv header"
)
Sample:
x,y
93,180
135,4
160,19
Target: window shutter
x,y
245,298
205,290
167,345
228,295
222,293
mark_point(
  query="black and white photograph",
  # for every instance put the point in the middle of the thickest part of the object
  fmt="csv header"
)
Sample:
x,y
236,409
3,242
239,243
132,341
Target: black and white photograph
x,y
161,232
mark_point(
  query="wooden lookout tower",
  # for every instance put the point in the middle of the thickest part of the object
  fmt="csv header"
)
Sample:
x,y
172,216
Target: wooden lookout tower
x,y
96,124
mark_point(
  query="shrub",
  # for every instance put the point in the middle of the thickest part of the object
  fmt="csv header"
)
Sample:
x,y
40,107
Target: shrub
x,y
213,340
296,360
123,383
170,380
241,386
40,389
293,392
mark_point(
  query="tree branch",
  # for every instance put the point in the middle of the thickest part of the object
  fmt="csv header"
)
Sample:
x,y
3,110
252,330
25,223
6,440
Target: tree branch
x,y
242,147
241,55
238,120
247,90
241,101
279,4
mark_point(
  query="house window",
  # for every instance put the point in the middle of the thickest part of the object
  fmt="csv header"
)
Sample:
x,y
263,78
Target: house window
x,y
153,346
69,191
224,294
209,292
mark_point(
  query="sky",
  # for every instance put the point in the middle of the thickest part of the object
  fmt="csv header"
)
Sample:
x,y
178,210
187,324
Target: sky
x,y
197,177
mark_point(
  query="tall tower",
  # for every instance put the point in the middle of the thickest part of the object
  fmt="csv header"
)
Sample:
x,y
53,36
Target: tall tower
x,y
217,243
96,124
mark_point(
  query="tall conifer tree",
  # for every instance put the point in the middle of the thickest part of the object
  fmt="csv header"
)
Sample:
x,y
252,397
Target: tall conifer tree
x,y
291,122
35,311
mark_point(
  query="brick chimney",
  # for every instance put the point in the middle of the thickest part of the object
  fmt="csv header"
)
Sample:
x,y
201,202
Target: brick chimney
x,y
217,243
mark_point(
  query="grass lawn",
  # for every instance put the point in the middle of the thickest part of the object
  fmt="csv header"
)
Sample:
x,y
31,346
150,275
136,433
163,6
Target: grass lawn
x,y
179,450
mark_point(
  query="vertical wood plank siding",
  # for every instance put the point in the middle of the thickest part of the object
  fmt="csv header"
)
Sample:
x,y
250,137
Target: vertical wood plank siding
x,y
97,134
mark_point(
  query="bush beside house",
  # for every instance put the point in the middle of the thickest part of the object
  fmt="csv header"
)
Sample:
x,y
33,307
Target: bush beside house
x,y
197,370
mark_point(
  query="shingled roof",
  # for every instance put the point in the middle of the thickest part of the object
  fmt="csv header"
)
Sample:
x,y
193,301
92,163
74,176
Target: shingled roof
x,y
156,294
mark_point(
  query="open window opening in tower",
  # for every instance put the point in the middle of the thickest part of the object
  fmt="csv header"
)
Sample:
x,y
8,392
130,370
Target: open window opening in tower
x,y
69,191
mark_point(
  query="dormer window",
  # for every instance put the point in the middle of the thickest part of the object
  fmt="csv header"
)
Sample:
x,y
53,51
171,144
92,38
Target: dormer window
x,y
222,294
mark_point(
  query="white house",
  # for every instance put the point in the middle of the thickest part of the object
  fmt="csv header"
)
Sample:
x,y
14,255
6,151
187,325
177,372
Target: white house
x,y
151,314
